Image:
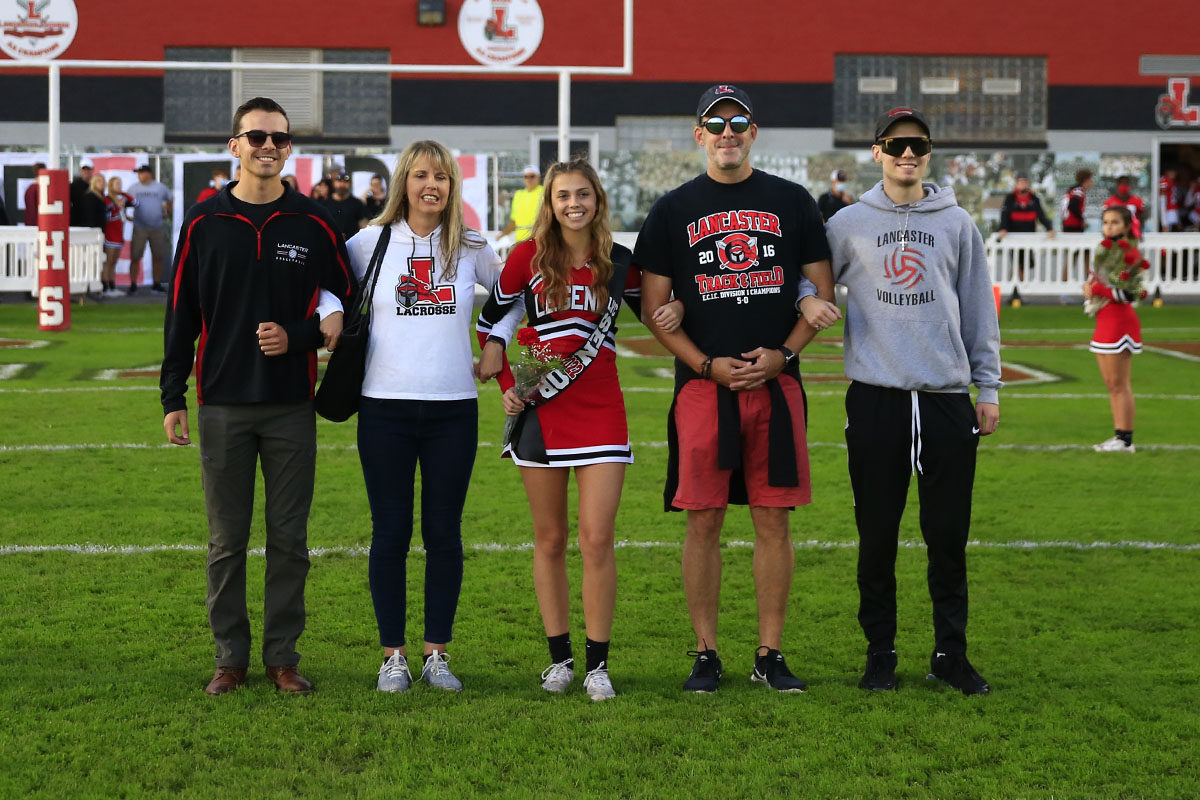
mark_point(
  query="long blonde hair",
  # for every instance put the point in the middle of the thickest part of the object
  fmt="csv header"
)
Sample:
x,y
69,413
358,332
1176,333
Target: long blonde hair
x,y
455,233
552,260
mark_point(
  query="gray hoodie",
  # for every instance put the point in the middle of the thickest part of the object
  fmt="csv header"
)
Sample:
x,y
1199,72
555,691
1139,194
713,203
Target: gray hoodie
x,y
921,313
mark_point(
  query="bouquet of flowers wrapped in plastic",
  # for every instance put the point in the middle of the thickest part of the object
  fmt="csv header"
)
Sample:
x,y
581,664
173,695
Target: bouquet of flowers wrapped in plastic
x,y
529,370
1118,265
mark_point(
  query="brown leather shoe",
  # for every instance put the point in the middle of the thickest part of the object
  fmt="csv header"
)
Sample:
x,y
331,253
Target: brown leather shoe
x,y
288,679
226,679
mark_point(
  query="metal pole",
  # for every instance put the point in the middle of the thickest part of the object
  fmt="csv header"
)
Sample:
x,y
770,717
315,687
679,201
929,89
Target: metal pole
x,y
53,143
564,115
496,216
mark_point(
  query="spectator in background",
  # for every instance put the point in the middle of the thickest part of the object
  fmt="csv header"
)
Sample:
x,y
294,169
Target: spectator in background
x,y
220,177
91,204
1168,202
347,210
291,181
31,197
375,198
80,187
319,191
117,207
1074,201
1022,210
1191,204
525,204
836,198
150,209
1124,196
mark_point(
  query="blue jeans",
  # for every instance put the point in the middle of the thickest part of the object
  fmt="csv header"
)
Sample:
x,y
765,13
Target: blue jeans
x,y
393,437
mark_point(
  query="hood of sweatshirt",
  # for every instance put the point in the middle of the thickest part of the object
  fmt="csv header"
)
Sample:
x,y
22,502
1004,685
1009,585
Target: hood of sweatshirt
x,y
920,311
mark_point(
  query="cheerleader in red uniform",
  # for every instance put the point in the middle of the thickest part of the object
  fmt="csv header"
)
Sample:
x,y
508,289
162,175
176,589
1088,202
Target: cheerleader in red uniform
x,y
116,202
1118,337
565,274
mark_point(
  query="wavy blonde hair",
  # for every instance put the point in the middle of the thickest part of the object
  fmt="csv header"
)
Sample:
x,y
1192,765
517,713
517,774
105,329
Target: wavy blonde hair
x,y
553,260
455,233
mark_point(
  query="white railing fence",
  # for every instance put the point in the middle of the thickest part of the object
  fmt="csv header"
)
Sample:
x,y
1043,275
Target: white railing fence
x,y
18,259
1038,265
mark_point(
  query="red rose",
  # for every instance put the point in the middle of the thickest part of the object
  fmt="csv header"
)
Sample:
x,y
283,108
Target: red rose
x,y
1123,244
1107,243
1142,296
527,336
1131,258
1124,276
1145,264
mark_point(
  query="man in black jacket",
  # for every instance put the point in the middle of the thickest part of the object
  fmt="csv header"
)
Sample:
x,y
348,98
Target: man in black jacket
x,y
251,266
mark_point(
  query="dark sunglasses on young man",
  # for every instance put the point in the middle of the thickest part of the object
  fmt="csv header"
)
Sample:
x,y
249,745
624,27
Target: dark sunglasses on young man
x,y
259,138
716,125
895,146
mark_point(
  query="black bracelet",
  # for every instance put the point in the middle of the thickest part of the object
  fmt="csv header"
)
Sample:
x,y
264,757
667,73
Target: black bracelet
x,y
706,369
496,339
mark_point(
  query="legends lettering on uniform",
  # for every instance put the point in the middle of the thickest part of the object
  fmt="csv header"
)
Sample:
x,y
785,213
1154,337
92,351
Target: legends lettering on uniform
x,y
729,221
581,298
910,236
897,299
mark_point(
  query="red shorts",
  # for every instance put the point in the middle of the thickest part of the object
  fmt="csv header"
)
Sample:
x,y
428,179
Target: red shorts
x,y
701,484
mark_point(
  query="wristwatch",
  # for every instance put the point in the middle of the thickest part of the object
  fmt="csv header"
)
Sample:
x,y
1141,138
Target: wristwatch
x,y
788,355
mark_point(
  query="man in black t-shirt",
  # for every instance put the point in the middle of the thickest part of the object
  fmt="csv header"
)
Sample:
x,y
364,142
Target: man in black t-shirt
x,y
347,210
733,244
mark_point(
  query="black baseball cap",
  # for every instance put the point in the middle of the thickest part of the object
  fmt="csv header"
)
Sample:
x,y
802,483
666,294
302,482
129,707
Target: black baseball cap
x,y
722,91
901,114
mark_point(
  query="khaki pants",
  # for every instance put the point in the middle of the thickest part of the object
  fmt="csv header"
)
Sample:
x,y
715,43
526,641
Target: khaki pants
x,y
160,251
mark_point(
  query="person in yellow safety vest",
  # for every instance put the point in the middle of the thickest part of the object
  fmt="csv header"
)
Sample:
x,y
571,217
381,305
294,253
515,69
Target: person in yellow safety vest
x,y
525,204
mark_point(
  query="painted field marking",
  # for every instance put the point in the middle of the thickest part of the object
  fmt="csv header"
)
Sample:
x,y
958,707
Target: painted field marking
x,y
67,448
358,551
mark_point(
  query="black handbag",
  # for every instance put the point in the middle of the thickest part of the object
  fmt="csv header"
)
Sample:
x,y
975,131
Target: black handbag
x,y
340,392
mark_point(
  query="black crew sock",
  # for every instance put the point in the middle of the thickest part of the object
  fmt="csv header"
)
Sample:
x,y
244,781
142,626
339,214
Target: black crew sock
x,y
597,653
560,647
1124,436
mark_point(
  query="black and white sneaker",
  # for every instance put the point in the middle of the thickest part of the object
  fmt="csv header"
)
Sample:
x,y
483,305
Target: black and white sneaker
x,y
954,669
880,674
706,672
771,669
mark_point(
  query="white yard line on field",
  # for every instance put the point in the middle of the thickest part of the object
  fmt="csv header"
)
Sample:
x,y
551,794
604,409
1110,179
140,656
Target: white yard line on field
x,y
60,448
357,551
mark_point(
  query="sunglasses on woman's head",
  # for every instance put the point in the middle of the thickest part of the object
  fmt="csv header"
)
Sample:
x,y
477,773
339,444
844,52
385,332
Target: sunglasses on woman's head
x,y
895,146
716,125
258,138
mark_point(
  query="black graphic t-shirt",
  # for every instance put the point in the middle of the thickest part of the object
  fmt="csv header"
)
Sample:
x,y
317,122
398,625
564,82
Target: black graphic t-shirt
x,y
733,253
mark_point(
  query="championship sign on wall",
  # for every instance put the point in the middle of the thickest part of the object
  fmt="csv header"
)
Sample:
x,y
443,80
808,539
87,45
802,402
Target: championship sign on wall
x,y
37,29
500,32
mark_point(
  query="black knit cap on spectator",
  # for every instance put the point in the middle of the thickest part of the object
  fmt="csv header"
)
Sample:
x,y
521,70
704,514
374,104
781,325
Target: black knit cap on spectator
x,y
145,168
722,91
902,114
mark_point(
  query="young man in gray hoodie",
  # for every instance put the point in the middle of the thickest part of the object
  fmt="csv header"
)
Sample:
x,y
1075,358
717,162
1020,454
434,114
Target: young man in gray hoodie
x,y
920,326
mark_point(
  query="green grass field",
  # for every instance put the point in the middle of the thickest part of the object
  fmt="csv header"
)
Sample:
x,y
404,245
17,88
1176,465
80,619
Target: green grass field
x,y
1084,570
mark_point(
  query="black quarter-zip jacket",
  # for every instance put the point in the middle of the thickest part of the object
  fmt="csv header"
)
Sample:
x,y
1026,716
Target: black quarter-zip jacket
x,y
230,276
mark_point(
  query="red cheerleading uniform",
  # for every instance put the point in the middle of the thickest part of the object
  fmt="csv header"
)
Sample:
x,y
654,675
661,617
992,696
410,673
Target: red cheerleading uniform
x,y
114,221
585,423
1135,205
1117,325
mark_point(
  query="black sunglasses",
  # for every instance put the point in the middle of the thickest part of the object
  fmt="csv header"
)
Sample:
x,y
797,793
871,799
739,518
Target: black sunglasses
x,y
259,138
895,146
716,125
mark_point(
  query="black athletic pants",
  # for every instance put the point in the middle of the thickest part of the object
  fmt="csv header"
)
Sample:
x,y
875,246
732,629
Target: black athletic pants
x,y
890,433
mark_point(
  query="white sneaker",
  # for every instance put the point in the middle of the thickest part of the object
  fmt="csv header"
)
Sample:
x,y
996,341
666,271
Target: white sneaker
x,y
1114,445
437,674
597,684
394,675
557,677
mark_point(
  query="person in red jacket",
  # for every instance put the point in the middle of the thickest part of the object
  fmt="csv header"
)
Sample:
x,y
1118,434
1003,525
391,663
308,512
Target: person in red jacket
x,y
220,177
31,198
250,268
1074,202
1168,202
1124,196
